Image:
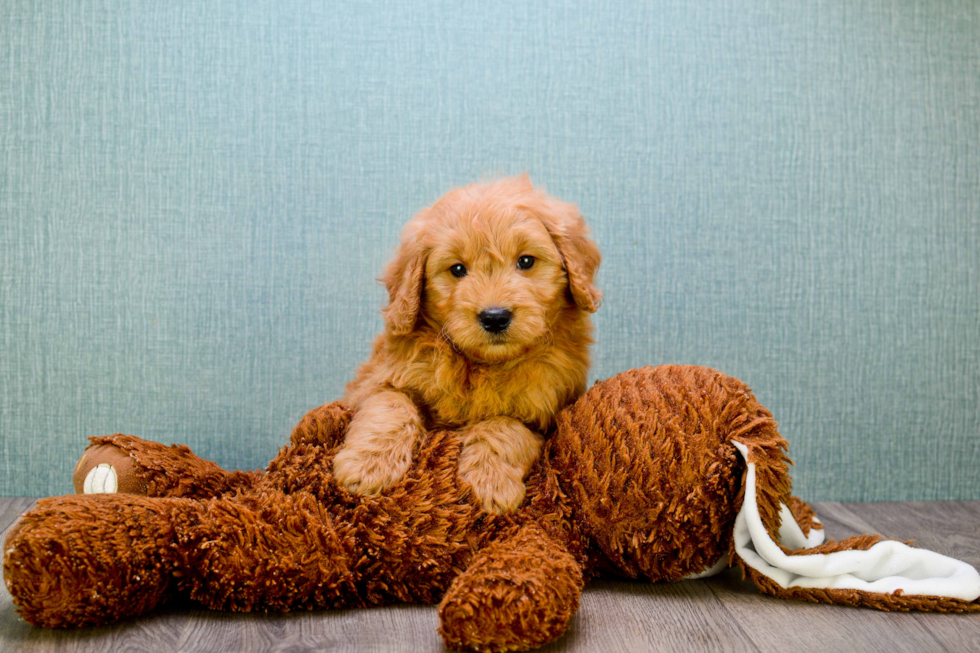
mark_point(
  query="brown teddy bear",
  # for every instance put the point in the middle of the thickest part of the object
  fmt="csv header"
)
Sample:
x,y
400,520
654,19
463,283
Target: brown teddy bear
x,y
664,473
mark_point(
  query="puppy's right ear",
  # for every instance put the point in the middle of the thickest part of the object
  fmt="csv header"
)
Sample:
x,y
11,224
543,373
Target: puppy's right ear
x,y
403,278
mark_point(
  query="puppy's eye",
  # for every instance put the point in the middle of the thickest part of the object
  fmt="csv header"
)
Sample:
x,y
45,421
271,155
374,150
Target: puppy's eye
x,y
525,262
458,270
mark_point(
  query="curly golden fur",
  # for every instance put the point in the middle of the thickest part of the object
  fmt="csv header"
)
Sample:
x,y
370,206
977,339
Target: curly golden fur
x,y
438,365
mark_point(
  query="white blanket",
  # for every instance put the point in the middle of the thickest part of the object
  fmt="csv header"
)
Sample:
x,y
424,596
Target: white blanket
x,y
885,567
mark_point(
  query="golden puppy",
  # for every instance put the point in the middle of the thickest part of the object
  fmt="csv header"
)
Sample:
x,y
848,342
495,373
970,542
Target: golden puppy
x,y
487,329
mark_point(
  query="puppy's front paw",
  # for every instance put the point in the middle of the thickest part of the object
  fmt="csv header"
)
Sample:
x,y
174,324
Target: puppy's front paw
x,y
497,454
378,448
364,472
497,490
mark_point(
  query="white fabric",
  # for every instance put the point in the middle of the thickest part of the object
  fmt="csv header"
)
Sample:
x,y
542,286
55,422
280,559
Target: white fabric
x,y
885,567
714,570
791,535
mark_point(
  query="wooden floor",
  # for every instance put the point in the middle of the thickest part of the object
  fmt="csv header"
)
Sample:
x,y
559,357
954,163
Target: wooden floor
x,y
720,614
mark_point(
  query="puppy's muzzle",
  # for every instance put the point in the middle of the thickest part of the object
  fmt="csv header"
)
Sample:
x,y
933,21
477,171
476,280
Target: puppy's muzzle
x,y
495,320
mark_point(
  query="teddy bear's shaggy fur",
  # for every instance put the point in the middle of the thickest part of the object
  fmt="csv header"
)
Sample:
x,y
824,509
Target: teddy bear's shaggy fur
x,y
639,478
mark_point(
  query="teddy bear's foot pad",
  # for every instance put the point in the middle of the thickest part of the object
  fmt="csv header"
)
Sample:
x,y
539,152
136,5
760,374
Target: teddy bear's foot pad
x,y
101,479
107,469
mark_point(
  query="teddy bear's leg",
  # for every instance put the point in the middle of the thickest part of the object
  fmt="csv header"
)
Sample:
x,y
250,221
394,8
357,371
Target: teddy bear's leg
x,y
82,560
324,426
92,560
517,594
269,551
131,465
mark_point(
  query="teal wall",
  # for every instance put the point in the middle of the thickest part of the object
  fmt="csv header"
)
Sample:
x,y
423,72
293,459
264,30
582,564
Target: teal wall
x,y
195,199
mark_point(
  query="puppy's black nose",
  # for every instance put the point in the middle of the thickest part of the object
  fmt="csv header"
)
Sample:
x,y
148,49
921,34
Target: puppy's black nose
x,y
495,320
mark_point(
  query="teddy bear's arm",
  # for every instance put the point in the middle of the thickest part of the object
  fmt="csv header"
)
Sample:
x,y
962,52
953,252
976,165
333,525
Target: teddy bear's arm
x,y
516,594
324,426
131,465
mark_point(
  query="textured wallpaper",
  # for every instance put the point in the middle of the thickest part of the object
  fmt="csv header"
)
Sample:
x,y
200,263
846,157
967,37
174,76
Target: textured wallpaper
x,y
196,199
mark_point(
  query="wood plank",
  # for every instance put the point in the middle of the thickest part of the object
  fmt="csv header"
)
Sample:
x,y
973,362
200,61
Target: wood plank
x,y
11,508
948,527
778,626
395,628
840,521
640,616
186,628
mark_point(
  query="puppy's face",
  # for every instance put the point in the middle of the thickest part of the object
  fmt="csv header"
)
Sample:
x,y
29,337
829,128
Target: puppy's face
x,y
494,281
492,267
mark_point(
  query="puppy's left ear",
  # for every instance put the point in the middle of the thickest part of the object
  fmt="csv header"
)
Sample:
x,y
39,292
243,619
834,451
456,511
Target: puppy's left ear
x,y
404,278
578,252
